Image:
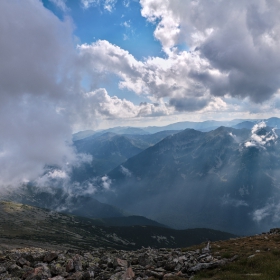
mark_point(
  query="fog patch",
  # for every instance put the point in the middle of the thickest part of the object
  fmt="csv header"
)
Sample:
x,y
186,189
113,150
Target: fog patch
x,y
270,210
125,171
106,182
227,200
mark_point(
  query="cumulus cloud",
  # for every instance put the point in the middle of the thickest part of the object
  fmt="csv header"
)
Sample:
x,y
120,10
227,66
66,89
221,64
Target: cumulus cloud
x,y
237,40
102,104
155,77
61,4
261,137
231,50
41,94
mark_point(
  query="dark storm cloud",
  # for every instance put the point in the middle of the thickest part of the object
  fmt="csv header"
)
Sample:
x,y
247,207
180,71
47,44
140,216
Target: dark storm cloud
x,y
183,104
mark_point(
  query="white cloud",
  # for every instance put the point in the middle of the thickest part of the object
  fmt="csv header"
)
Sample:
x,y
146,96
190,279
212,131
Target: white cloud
x,y
35,72
271,210
57,174
87,3
126,3
106,182
41,94
261,137
237,38
99,103
232,51
227,200
61,4
108,5
156,77
125,171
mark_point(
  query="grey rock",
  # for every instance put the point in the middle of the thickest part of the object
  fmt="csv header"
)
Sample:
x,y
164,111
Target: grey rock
x,y
2,269
102,264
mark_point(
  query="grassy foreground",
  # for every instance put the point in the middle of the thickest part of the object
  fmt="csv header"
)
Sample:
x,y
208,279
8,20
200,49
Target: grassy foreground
x,y
258,258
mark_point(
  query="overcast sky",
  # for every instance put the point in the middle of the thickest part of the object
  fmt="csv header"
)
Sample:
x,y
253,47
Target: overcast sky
x,y
68,65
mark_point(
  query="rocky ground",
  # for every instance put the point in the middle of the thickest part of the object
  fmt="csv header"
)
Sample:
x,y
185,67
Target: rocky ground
x,y
36,263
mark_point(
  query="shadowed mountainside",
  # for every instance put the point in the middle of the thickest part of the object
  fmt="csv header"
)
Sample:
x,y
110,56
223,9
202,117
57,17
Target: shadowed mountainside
x,y
26,223
223,179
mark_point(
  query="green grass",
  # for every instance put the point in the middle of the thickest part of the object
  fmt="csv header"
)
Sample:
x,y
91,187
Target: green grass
x,y
264,265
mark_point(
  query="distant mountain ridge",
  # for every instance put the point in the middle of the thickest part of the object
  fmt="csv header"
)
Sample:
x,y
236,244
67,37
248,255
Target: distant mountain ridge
x,y
214,179
108,150
204,126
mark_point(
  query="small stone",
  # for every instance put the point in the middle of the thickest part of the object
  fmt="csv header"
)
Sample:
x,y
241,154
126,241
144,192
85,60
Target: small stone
x,y
77,261
50,257
15,270
57,278
168,275
158,275
129,274
2,269
69,265
76,276
120,262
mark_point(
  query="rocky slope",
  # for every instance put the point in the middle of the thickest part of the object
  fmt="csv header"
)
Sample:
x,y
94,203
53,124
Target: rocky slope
x,y
238,258
32,263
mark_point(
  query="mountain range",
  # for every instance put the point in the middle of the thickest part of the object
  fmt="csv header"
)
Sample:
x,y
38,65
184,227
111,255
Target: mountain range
x,y
201,126
108,150
225,178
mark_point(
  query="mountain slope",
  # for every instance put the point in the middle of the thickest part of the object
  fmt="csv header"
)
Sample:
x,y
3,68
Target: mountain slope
x,y
107,150
201,126
62,200
223,179
24,223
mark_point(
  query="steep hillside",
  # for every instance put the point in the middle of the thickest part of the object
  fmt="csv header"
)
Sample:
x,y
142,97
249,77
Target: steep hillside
x,y
225,179
63,200
26,224
107,150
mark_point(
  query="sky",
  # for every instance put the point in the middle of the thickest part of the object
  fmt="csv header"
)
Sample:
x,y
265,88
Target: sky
x,y
70,65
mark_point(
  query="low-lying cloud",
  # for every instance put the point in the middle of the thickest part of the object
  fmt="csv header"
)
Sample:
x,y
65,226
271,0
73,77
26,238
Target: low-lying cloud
x,y
271,211
261,137
42,98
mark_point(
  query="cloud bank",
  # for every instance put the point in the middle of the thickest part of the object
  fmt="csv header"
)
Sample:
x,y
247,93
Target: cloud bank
x,y
42,98
213,52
